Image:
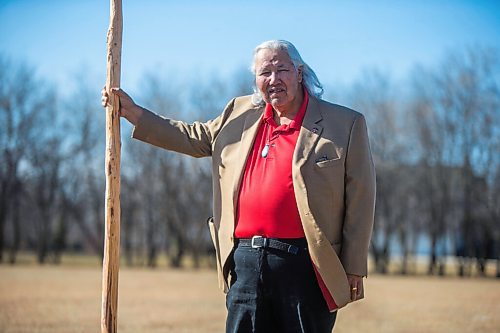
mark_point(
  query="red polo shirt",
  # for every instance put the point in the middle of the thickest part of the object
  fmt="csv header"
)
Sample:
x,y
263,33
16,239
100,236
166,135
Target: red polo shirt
x,y
266,203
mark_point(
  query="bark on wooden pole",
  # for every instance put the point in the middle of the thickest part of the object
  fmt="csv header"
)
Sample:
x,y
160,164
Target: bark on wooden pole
x,y
111,259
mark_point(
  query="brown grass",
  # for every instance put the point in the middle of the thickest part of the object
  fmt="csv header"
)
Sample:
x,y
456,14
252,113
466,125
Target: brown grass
x,y
67,299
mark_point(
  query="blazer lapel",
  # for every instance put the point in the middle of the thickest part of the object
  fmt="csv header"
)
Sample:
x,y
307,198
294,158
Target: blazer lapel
x,y
309,134
250,128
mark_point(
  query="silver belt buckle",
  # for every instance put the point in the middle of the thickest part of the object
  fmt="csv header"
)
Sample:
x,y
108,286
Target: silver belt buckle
x,y
253,242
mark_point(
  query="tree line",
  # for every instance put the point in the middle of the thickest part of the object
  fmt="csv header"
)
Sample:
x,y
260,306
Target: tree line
x,y
435,138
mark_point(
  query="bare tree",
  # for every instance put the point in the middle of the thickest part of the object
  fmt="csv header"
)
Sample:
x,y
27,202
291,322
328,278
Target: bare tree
x,y
456,108
434,174
83,179
45,182
145,182
25,102
374,95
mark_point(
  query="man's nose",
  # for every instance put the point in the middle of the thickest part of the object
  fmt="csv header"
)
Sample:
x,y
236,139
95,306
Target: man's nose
x,y
274,77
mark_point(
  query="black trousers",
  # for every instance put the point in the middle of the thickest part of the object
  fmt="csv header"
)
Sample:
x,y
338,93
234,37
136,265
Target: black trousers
x,y
273,291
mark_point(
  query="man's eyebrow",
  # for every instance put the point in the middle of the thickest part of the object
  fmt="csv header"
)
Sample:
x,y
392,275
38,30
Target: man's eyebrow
x,y
266,66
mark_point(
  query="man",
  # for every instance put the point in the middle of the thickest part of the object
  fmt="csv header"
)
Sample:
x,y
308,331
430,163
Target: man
x,y
294,195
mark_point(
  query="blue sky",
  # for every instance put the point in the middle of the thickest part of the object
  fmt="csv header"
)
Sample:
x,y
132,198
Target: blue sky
x,y
192,39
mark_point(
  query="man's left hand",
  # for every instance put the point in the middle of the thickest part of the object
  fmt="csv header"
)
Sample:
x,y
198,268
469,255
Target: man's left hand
x,y
355,285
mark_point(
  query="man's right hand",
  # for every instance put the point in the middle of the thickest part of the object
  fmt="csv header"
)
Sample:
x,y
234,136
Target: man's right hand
x,y
128,109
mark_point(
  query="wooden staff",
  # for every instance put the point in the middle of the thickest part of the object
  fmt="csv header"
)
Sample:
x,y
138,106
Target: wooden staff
x,y
111,258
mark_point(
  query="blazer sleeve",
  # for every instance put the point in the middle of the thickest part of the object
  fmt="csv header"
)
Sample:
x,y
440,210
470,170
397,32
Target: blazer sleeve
x,y
191,139
359,200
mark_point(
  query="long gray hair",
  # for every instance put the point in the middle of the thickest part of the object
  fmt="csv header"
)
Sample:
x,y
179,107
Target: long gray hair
x,y
309,78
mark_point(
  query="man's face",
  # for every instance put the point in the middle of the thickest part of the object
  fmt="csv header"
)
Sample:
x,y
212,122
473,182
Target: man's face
x,y
276,77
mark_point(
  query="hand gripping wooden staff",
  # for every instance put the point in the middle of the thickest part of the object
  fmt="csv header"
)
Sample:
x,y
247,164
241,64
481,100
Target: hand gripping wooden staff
x,y
111,258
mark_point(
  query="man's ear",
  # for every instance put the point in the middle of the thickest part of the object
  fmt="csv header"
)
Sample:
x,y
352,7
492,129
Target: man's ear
x,y
299,73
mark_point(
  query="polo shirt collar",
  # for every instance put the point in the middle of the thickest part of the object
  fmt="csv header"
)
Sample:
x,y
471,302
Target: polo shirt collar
x,y
296,122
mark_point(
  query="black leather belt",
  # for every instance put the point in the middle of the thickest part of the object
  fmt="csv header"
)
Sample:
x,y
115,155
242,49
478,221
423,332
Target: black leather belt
x,y
274,243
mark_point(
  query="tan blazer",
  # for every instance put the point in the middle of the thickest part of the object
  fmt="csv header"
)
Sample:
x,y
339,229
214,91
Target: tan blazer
x,y
333,178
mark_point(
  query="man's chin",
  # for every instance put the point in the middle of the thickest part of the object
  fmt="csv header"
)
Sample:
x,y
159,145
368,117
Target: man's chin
x,y
277,102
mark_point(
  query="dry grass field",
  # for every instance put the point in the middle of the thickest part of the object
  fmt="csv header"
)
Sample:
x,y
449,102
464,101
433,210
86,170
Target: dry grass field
x,y
66,299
